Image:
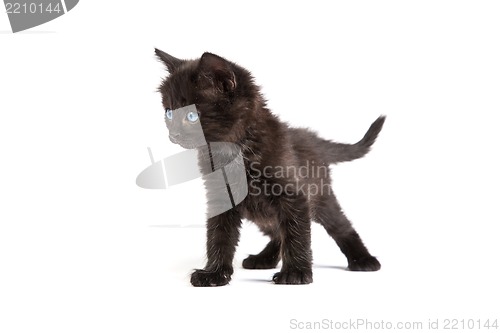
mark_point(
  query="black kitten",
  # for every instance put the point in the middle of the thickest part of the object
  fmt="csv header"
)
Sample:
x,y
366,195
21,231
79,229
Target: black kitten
x,y
287,171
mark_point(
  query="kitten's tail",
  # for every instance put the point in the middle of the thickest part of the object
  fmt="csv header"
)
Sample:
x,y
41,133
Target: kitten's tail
x,y
342,152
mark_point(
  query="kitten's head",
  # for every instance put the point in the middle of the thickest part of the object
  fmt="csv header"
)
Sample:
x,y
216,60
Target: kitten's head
x,y
209,91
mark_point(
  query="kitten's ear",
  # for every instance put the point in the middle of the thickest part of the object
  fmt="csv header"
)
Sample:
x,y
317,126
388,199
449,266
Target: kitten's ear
x,y
219,69
172,63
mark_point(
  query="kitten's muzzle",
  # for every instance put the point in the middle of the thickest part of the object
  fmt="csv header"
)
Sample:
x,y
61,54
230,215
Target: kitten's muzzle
x,y
178,140
174,138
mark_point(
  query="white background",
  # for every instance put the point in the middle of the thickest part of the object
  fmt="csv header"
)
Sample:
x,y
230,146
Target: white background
x,y
83,249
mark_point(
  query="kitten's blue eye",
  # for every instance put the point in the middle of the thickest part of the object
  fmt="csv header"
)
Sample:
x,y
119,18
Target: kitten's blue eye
x,y
192,116
168,114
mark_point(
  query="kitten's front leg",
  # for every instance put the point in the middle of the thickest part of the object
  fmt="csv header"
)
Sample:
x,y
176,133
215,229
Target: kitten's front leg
x,y
295,230
223,233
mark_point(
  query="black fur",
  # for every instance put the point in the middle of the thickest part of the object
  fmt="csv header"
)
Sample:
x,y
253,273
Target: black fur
x,y
232,109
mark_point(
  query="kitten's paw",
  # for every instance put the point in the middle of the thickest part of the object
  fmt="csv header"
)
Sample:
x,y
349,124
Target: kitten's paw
x,y
366,264
293,277
258,262
203,278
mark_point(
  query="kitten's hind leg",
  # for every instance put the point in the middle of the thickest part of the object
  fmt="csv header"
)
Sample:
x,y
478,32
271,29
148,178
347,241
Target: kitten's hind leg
x,y
329,214
268,258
